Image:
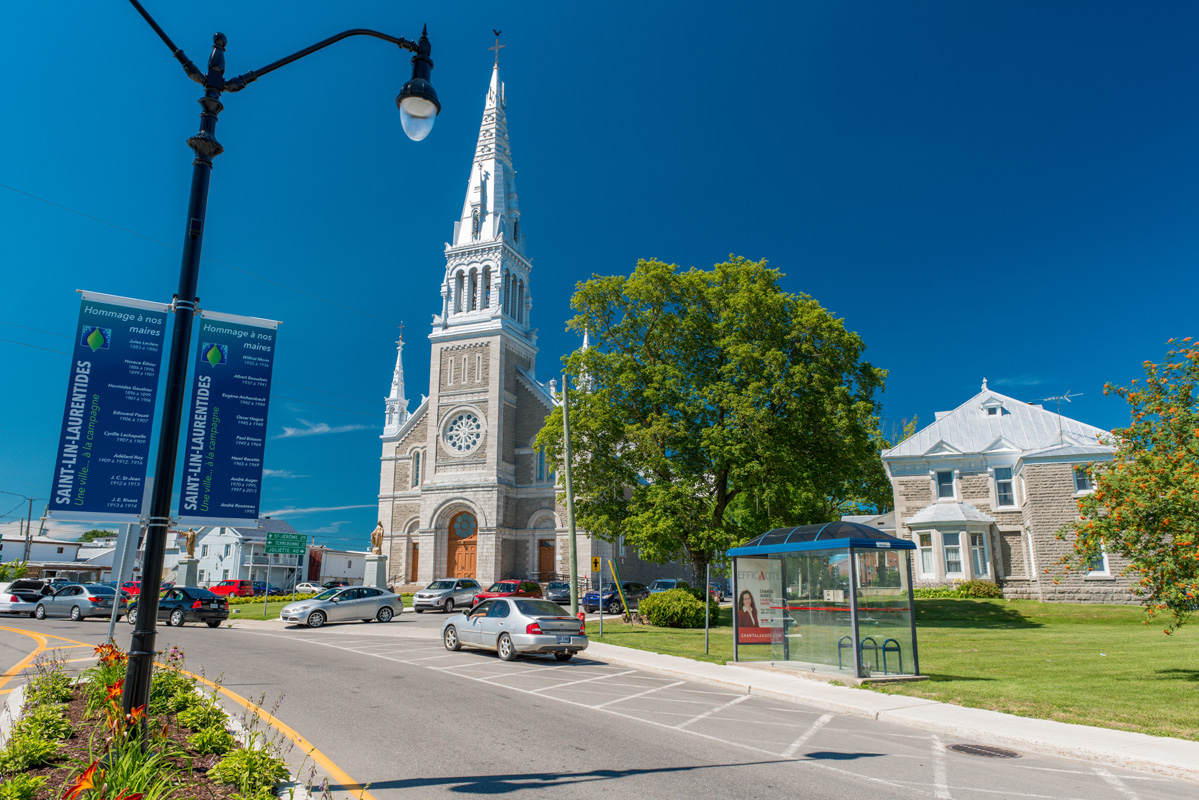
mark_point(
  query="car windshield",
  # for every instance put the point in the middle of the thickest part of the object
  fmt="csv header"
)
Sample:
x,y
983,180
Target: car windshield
x,y
502,587
540,608
609,587
201,594
441,585
101,590
327,594
557,586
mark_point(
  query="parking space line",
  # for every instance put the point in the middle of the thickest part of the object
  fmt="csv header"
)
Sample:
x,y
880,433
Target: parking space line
x,y
940,772
803,737
640,694
584,680
712,711
1117,784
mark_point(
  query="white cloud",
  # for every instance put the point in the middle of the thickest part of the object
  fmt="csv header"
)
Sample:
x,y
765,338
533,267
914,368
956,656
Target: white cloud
x,y
291,512
319,429
67,531
280,473
1019,380
332,528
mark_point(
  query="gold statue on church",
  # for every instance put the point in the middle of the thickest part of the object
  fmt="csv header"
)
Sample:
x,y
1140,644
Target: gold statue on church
x,y
377,539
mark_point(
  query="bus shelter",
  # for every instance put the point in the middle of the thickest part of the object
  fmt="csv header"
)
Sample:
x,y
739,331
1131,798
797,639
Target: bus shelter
x,y
834,597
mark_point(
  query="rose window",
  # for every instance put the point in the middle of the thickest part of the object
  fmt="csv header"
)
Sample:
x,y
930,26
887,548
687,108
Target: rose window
x,y
464,433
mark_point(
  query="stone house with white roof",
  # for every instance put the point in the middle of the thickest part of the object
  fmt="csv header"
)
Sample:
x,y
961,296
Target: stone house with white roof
x,y
984,490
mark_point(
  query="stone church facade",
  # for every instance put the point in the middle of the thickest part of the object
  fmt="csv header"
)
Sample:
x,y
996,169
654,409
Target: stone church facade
x,y
462,490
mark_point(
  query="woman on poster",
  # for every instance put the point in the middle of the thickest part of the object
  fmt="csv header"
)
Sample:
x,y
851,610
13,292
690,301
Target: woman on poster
x,y
747,610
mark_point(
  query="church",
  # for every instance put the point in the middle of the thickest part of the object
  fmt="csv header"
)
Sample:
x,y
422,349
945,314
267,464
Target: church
x,y
463,492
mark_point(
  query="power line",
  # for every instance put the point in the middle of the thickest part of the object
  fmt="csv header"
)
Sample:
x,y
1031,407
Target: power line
x,y
35,347
203,259
39,330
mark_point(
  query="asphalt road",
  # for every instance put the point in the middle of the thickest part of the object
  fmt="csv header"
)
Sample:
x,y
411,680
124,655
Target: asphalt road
x,y
398,713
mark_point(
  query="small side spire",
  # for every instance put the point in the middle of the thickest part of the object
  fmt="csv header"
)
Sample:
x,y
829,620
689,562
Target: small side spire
x,y
396,413
984,384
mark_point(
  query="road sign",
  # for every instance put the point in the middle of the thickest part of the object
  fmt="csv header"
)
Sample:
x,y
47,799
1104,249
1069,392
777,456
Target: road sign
x,y
595,564
291,544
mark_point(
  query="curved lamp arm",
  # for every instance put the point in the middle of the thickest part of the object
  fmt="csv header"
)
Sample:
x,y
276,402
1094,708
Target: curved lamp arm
x,y
241,81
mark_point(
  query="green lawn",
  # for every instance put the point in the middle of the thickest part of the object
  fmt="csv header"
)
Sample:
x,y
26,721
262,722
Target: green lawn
x,y
1088,664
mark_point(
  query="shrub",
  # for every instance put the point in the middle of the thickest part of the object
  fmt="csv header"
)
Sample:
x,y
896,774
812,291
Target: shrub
x,y
700,595
212,741
20,787
253,772
202,715
978,589
934,591
25,752
50,684
171,691
43,722
675,608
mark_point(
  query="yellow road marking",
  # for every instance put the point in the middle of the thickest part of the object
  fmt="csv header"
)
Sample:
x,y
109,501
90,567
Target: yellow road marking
x,y
335,772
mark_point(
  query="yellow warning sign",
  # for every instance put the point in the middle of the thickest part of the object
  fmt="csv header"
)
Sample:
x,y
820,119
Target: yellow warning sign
x,y
595,564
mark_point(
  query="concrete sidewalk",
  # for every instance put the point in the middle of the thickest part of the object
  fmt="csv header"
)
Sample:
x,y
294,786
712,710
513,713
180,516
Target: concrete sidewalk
x,y
1175,758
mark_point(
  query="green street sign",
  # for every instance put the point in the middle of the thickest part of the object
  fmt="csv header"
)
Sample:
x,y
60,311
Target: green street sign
x,y
290,544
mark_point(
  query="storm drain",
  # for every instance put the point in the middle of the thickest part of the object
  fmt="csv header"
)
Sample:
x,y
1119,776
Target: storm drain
x,y
983,750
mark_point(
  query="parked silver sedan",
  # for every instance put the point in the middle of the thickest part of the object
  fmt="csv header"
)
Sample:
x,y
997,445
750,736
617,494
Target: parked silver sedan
x,y
344,604
446,594
514,625
77,600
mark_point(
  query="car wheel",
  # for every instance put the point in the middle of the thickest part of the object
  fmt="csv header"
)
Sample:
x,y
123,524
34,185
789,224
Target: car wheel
x,y
385,614
213,623
450,639
506,649
448,605
39,612
418,610
613,608
316,619
177,618
567,656
76,614
131,617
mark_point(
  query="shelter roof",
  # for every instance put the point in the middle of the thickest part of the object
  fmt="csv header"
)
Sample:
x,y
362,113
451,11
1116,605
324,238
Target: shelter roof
x,y
839,535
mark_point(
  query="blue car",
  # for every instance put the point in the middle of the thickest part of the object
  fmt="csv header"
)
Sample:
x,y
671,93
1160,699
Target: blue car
x,y
633,593
666,584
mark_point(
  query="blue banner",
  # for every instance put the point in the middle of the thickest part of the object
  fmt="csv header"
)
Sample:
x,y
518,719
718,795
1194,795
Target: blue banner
x,y
226,438
104,443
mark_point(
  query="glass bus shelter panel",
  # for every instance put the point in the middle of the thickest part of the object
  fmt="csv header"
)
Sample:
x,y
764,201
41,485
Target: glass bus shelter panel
x,y
817,594
884,612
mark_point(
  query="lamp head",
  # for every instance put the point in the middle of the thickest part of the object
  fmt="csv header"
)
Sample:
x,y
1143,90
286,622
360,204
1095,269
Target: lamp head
x,y
417,101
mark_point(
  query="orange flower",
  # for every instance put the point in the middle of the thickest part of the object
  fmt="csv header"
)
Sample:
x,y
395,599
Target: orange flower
x,y
135,714
84,781
115,690
123,796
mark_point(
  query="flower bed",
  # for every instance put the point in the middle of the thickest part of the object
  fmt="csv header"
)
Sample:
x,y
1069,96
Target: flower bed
x,y
72,741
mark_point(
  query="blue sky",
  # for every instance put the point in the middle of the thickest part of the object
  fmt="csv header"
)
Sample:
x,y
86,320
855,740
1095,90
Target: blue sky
x,y
1000,190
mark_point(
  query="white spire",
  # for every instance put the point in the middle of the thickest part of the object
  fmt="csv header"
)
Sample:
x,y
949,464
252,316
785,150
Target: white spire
x,y
396,413
490,209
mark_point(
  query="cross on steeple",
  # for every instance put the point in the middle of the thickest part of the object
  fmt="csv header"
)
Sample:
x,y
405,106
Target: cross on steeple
x,y
401,339
498,46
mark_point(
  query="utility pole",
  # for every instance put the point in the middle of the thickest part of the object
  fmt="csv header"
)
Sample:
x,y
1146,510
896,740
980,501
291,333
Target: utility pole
x,y
572,548
29,530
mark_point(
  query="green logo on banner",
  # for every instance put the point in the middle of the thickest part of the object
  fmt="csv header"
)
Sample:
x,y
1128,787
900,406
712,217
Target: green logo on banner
x,y
96,338
215,354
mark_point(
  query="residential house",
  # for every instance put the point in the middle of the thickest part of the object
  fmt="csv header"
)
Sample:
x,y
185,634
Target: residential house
x,y
228,552
984,491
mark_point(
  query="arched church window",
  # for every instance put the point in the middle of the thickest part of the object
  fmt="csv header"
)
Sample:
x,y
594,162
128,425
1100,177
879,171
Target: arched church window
x,y
520,303
416,468
486,287
516,231
463,525
458,292
474,291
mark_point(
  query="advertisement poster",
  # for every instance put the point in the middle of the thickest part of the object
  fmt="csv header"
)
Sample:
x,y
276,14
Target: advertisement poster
x,y
226,423
104,444
758,604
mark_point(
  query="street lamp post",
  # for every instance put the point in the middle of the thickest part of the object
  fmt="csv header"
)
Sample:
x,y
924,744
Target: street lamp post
x,y
418,105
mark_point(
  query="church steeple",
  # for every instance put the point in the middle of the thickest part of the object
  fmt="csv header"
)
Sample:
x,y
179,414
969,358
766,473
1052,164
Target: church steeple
x,y
396,413
487,272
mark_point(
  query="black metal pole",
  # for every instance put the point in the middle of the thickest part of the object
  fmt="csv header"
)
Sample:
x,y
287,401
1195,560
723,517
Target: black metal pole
x,y
205,146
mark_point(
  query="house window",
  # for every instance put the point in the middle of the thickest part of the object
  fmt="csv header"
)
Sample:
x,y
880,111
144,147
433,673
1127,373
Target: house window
x,y
951,546
926,554
60,549
621,544
945,485
416,468
228,549
993,411
1004,494
978,555
201,576
224,574
203,551
349,563
1097,566
1082,481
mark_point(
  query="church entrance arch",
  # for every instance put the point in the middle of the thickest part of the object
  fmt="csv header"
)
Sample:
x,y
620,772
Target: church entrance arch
x,y
463,545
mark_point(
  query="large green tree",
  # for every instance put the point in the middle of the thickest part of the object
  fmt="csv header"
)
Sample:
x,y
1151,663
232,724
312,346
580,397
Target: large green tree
x,y
1145,506
713,405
